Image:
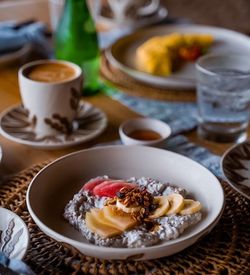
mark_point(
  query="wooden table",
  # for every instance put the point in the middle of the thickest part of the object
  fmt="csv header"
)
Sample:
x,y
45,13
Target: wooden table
x,y
17,157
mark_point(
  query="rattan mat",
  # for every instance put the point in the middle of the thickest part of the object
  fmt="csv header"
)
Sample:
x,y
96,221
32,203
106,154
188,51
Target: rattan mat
x,y
133,87
226,250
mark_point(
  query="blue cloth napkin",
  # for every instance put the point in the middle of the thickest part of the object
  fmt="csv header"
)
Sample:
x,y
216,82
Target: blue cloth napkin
x,y
14,36
182,117
13,266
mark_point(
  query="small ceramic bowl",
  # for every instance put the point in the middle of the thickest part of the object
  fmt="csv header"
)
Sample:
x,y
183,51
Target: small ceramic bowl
x,y
144,131
14,240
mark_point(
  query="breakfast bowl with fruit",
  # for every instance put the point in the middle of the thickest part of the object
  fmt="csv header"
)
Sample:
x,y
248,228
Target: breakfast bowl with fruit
x,y
119,202
131,213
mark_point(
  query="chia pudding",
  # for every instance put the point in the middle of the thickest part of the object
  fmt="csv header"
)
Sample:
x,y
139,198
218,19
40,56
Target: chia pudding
x,y
168,227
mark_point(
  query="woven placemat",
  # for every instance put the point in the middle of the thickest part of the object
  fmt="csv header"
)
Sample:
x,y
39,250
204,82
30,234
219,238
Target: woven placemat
x,y
131,86
225,250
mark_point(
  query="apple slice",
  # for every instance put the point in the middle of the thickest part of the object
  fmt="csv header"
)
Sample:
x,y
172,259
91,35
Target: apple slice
x,y
98,189
96,226
110,188
91,184
98,214
163,207
190,207
176,203
120,219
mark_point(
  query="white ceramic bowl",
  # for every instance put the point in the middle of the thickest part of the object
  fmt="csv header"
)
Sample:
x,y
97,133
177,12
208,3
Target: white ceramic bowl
x,y
56,184
155,125
14,234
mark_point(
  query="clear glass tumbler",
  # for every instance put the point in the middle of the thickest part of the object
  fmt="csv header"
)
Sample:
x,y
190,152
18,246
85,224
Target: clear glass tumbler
x,y
223,97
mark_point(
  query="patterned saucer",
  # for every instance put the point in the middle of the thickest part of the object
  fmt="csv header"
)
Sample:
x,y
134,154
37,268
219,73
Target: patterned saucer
x,y
14,233
236,167
90,123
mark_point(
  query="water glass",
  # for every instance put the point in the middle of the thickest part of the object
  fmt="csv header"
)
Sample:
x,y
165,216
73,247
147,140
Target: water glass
x,y
223,97
55,10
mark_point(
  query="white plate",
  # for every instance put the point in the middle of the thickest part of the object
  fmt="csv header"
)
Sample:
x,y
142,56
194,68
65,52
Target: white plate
x,y
235,165
14,239
122,53
90,123
56,184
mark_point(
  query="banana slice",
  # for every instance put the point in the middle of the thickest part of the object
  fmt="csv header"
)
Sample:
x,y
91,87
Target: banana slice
x,y
126,209
119,219
176,203
163,207
190,207
100,228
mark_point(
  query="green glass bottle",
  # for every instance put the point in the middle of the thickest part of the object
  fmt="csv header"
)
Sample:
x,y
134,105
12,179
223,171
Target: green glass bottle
x,y
76,41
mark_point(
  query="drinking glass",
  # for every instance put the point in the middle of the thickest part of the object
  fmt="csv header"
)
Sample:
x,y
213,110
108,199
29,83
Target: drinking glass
x,y
55,10
223,97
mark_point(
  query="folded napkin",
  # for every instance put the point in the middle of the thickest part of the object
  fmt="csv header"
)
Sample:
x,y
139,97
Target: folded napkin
x,y
14,36
13,266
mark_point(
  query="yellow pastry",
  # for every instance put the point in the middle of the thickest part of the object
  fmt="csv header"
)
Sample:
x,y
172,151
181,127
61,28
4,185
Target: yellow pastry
x,y
160,55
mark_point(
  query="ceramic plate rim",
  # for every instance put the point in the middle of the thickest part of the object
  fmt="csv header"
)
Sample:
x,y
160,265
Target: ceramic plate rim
x,y
166,82
52,146
129,250
22,255
9,57
226,153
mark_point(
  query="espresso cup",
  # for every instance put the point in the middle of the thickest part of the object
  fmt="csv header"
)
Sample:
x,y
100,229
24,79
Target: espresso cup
x,y
50,92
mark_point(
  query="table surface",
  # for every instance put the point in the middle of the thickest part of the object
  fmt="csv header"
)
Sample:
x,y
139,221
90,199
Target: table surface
x,y
17,157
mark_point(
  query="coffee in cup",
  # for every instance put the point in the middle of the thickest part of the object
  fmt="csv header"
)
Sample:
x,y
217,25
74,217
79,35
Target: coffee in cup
x,y
50,92
51,72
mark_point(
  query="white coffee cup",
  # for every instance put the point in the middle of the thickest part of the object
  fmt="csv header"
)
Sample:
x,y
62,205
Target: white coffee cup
x,y
142,7
53,105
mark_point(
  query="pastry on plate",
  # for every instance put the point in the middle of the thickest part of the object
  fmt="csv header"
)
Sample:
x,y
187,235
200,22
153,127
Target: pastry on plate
x,y
162,55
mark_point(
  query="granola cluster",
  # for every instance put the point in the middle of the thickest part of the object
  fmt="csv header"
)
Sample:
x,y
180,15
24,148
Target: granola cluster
x,y
139,198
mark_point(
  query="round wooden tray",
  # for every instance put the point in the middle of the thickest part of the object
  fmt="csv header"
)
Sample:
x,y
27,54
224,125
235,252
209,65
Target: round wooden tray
x,y
225,250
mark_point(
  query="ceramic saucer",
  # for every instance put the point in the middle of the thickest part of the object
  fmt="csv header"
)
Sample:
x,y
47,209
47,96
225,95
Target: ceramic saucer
x,y
14,234
90,123
109,22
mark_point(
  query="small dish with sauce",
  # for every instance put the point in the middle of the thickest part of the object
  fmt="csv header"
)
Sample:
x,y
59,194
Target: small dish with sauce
x,y
144,131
